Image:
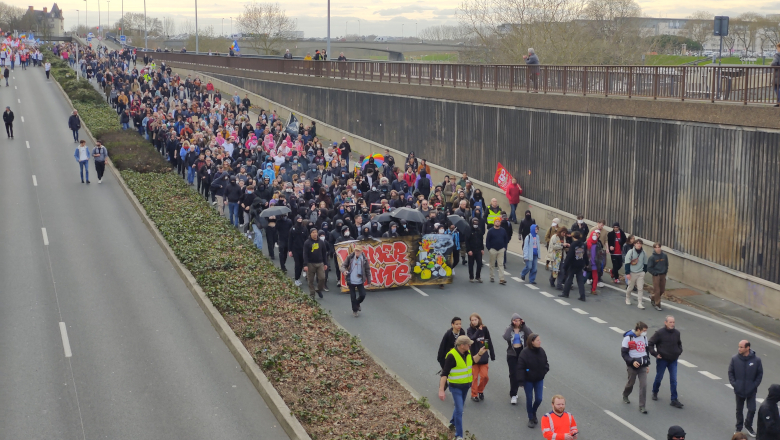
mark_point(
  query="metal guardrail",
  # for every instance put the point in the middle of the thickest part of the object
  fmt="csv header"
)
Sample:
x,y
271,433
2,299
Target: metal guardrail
x,y
745,84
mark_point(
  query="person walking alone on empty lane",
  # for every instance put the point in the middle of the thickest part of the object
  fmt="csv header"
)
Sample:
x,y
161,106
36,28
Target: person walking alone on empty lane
x,y
634,352
515,336
82,157
666,345
99,154
457,374
357,272
74,123
658,266
745,374
8,119
480,334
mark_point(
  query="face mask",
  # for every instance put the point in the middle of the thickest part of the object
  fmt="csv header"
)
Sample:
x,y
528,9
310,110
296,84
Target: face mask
x,y
346,233
554,224
354,187
249,192
643,334
322,237
393,229
579,222
341,211
441,231
476,226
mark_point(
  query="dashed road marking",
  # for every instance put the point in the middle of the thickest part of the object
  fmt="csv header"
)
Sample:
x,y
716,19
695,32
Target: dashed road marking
x,y
419,291
35,181
710,375
531,286
628,425
562,302
759,400
15,88
65,340
686,363
548,295
580,311
729,385
22,118
45,237
28,144
617,330
599,320
518,279
19,101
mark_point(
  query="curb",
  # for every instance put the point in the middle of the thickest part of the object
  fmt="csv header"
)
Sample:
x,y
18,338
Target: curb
x,y
276,404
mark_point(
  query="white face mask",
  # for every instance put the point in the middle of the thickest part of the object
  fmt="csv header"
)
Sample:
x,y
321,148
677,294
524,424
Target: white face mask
x,y
579,222
441,231
554,224
322,237
346,233
643,334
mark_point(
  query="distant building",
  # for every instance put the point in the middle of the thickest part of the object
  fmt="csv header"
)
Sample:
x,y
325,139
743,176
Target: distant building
x,y
293,35
45,23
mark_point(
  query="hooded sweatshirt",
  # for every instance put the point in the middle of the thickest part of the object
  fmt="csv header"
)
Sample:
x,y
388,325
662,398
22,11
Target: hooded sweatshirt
x,y
634,349
525,225
768,426
519,338
531,244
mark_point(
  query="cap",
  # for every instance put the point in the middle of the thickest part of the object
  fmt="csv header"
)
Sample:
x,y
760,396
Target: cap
x,y
463,340
616,225
335,143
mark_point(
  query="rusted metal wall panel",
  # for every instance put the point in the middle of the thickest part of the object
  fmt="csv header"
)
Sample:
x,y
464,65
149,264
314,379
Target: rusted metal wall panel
x,y
710,191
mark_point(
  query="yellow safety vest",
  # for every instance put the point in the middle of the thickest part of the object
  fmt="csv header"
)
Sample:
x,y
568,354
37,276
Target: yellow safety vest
x,y
492,216
462,371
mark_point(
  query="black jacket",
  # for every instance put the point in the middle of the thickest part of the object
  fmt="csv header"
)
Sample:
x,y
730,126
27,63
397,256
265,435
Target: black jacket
x,y
297,237
525,225
532,365
576,256
74,123
612,237
745,373
233,192
315,251
768,426
474,242
8,117
658,264
479,336
667,343
447,343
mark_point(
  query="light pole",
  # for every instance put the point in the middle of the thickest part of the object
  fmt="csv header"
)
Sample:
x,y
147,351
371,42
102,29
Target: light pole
x,y
98,28
402,31
146,35
328,45
122,28
86,15
108,14
196,27
231,25
359,29
78,21
415,31
222,32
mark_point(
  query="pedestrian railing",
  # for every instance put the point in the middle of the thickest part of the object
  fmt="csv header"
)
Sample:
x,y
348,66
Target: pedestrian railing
x,y
745,84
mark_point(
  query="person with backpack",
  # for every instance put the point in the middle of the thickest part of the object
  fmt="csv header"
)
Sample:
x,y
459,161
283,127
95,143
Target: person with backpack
x,y
479,333
515,335
634,352
636,266
576,258
596,253
99,155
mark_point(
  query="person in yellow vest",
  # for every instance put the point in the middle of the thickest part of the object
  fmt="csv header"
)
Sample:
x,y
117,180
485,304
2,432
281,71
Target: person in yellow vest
x,y
493,212
457,373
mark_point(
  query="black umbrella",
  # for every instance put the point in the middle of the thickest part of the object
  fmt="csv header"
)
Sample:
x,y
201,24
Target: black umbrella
x,y
384,217
459,222
408,214
274,211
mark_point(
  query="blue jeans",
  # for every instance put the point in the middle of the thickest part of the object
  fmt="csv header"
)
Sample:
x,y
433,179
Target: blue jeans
x,y
233,208
125,126
533,397
459,396
84,167
258,237
190,175
513,213
530,266
660,367
75,135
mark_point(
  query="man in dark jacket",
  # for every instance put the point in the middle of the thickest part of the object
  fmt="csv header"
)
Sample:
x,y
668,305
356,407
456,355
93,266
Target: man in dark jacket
x,y
658,266
315,257
448,340
475,249
576,258
496,242
8,119
295,243
74,123
666,345
525,226
233,195
358,273
768,425
581,226
745,374
616,239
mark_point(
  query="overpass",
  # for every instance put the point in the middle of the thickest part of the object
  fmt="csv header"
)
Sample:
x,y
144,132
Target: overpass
x,y
684,156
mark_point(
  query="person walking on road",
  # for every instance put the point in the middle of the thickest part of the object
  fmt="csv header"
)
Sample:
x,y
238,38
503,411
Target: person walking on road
x,y
475,250
559,424
658,266
515,336
8,119
616,240
357,273
82,157
532,367
634,352
47,68
74,123
555,254
574,264
675,433
448,340
666,345
745,374
457,374
99,155
768,426
513,193
524,228
480,334
530,254
315,258
6,74
636,266
496,242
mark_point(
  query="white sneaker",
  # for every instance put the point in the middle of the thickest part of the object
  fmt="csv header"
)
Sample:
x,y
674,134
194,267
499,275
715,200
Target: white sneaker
x,y
590,282
100,180
640,306
514,400
628,302
600,284
298,282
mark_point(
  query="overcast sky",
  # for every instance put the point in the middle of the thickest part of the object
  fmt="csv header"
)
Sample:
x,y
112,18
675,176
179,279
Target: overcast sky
x,y
379,17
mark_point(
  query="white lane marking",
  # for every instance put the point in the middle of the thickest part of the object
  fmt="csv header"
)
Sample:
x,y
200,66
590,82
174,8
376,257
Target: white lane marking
x,y
19,100
628,425
580,311
759,400
548,295
518,279
707,318
28,144
22,118
599,320
35,181
561,302
729,385
45,237
617,330
531,286
65,340
15,88
507,273
419,291
710,375
686,363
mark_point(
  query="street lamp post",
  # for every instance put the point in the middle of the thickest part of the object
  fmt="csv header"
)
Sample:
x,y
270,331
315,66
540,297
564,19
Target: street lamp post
x,y
231,25
402,31
108,14
86,15
196,27
146,34
122,29
78,20
222,32
359,36
416,35
328,45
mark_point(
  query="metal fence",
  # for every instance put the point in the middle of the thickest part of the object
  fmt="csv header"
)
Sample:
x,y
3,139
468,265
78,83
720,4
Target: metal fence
x,y
745,84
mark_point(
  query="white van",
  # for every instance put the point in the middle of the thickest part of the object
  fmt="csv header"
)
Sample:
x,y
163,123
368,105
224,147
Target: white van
x,y
381,39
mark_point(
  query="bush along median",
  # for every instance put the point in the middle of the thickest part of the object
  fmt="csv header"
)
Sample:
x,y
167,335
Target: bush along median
x,y
329,382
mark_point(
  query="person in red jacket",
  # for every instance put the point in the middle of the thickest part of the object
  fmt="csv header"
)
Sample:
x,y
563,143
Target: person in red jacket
x,y
559,424
513,193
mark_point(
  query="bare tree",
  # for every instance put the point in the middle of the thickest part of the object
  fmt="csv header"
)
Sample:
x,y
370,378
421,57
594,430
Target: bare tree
x,y
616,31
10,16
187,27
444,33
265,26
770,30
745,29
168,26
699,27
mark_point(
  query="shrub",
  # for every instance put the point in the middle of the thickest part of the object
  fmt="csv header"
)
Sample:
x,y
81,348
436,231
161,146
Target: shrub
x,y
129,151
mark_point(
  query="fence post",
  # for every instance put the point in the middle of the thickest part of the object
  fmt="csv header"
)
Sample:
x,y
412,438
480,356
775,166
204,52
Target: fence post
x,y
468,75
565,78
511,77
455,72
655,83
481,75
606,81
630,80
712,90
544,76
745,88
495,77
684,75
584,80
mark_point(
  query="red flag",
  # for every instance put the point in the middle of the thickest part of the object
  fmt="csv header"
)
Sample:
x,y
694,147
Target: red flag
x,y
502,178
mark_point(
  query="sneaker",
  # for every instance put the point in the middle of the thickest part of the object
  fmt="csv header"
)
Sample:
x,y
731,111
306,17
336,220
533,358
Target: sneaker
x,y
657,307
625,400
589,282
640,306
616,281
297,282
655,396
319,293
600,284
100,180
472,281
355,314
531,424
676,404
628,302
522,277
475,398
642,410
504,282
532,282
750,431
563,296
88,181
326,289
479,280
481,396
513,400
492,280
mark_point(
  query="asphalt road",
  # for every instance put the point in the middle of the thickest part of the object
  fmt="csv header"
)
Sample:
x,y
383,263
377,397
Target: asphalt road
x,y
403,327
142,360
